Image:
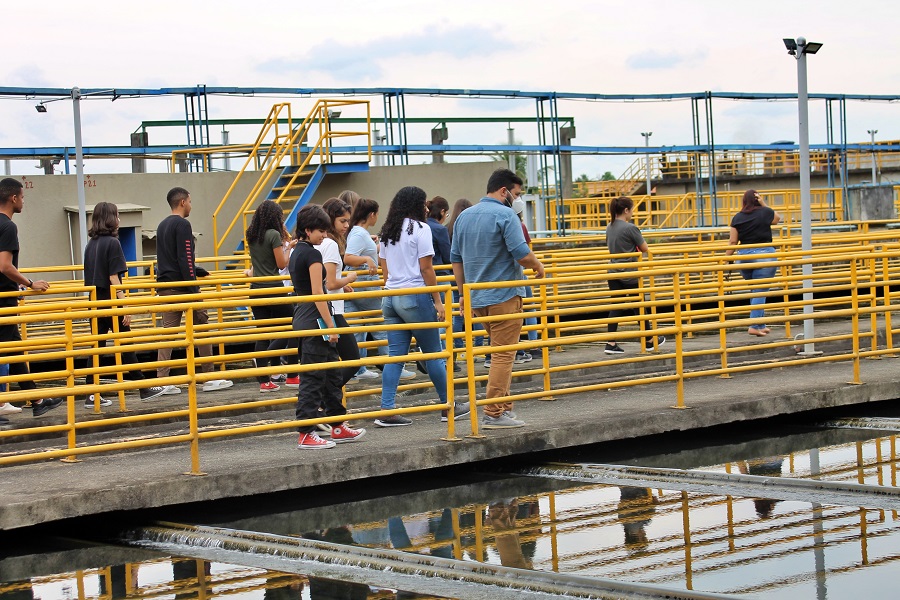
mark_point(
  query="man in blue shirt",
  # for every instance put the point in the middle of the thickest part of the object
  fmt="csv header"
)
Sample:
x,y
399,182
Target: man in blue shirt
x,y
488,246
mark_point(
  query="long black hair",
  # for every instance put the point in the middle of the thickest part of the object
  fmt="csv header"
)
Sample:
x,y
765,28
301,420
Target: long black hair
x,y
268,215
409,203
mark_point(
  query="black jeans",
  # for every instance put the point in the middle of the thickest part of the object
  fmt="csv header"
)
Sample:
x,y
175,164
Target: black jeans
x,y
272,311
619,285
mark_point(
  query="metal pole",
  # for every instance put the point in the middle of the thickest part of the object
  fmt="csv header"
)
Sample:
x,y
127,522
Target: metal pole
x,y
872,133
79,171
647,135
809,328
510,157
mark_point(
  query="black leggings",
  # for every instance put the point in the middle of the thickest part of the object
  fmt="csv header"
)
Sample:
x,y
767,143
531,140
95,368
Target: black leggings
x,y
347,349
273,311
618,285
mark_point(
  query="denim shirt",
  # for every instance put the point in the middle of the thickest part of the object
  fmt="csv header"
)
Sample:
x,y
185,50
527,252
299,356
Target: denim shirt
x,y
488,241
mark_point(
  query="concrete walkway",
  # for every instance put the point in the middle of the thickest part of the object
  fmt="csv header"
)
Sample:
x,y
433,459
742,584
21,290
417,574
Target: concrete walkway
x,y
256,464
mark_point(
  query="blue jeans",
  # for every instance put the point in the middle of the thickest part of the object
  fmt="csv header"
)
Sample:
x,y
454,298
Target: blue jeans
x,y
757,314
413,308
366,304
459,325
533,334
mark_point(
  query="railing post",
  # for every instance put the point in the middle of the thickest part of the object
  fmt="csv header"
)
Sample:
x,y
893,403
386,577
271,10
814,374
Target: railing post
x,y
854,318
451,384
723,331
72,433
117,356
886,290
466,303
192,392
679,343
545,336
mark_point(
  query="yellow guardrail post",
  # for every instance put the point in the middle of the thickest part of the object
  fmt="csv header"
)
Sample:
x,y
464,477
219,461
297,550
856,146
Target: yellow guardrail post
x,y
854,319
545,337
886,290
95,358
192,393
117,356
71,434
785,272
871,268
451,385
679,345
723,330
465,297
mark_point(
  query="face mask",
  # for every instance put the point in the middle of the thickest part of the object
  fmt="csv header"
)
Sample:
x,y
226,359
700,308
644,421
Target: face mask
x,y
510,197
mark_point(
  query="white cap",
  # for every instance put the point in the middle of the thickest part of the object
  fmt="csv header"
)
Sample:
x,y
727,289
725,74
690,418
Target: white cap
x,y
518,205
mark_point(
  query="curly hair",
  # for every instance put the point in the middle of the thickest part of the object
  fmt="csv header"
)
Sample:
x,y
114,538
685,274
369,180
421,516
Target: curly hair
x,y
408,203
268,215
104,220
336,208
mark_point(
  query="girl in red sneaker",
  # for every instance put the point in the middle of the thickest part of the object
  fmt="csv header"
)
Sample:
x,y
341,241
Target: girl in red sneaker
x,y
319,388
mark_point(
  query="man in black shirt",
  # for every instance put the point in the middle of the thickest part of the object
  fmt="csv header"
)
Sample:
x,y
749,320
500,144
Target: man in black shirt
x,y
175,262
12,200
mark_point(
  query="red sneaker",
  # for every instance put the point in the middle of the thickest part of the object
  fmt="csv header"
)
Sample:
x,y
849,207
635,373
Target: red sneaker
x,y
268,387
344,433
292,382
311,441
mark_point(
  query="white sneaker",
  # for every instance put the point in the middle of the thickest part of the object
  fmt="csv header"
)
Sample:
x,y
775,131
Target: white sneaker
x,y
214,385
367,374
404,374
169,390
89,403
8,409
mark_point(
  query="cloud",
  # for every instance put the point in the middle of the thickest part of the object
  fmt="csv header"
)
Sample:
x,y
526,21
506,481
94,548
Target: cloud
x,y
363,61
654,60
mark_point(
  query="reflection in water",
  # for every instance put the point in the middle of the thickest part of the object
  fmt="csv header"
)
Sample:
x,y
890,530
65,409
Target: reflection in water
x,y
764,467
635,510
752,547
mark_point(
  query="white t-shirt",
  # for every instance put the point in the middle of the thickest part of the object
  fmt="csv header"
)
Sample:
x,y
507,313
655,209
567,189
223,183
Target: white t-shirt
x,y
331,254
403,257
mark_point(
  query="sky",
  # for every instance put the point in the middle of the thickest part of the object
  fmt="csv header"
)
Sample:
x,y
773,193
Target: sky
x,y
600,46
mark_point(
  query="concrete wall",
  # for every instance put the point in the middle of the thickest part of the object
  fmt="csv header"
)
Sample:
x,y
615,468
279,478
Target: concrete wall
x,y
44,233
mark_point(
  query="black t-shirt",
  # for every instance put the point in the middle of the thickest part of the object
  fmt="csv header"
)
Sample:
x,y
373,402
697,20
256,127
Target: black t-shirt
x,y
303,257
9,242
103,256
754,227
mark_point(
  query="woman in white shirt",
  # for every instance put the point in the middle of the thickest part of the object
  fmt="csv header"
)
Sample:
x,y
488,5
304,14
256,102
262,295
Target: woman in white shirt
x,y
332,250
406,262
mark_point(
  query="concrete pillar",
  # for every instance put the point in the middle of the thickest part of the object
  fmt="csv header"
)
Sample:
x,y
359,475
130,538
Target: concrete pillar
x,y
566,135
139,163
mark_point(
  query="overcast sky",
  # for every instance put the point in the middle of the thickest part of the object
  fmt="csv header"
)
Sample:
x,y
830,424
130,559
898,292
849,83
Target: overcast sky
x,y
610,46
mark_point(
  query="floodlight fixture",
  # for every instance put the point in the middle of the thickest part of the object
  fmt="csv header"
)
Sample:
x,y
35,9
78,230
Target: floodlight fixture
x,y
791,46
40,108
811,47
334,114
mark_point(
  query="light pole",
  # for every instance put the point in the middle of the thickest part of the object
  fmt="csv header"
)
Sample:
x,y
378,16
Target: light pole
x,y
79,169
872,133
647,135
799,48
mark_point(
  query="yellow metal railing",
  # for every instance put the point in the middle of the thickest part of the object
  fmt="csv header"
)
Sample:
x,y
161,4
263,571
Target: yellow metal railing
x,y
683,294
686,210
278,145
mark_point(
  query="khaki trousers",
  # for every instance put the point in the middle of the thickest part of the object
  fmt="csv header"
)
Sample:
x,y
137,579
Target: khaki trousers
x,y
502,333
